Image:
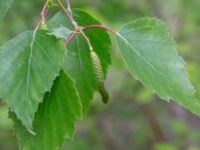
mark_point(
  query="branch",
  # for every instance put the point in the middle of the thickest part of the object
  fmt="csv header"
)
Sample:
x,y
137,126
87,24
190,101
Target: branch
x,y
68,14
73,35
100,27
75,25
68,6
43,15
87,40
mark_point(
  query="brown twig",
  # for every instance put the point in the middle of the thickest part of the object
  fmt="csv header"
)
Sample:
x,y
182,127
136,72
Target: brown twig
x,y
74,24
100,27
68,14
43,15
80,29
88,28
73,35
68,5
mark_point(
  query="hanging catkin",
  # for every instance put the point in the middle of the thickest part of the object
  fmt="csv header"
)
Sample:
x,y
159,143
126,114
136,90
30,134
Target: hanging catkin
x,y
99,76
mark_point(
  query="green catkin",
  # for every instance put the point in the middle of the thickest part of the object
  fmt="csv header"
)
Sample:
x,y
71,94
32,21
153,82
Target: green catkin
x,y
99,76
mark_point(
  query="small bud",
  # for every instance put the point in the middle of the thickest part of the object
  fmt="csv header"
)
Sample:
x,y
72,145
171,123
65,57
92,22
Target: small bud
x,y
43,26
51,4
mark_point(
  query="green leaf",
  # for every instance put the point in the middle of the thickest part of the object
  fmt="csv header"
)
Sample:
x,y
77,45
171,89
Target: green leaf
x,y
29,63
78,62
55,119
62,33
4,6
98,37
151,56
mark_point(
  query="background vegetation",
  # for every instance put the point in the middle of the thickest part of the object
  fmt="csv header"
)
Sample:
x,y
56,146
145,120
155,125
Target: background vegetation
x,y
135,118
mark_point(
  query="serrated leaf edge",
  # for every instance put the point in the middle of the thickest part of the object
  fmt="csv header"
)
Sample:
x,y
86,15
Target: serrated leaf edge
x,y
165,28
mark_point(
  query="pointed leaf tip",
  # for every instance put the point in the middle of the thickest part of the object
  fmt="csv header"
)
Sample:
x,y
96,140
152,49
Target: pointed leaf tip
x,y
151,56
29,63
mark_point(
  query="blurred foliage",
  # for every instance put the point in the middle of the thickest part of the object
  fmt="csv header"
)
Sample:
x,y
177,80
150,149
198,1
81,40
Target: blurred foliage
x,y
135,118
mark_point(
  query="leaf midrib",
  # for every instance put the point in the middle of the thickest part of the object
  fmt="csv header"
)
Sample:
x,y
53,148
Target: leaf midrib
x,y
28,72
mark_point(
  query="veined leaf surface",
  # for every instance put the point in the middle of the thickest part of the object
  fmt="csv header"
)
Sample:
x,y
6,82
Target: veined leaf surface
x,y
55,119
151,56
4,6
29,63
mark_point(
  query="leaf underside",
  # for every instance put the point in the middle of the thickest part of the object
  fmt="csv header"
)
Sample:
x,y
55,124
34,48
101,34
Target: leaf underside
x,y
4,6
61,33
29,63
78,55
151,56
55,119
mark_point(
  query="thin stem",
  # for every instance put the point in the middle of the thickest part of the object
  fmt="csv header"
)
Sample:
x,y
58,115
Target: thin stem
x,y
43,15
87,40
68,14
73,35
68,6
73,22
75,25
100,27
46,12
90,27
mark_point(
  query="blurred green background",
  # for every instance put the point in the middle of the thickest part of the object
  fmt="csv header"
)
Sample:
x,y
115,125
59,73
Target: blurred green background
x,y
134,119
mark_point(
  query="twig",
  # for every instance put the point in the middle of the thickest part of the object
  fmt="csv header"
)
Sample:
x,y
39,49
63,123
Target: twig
x,y
68,14
73,35
99,27
43,15
88,28
68,6
80,29
87,40
74,24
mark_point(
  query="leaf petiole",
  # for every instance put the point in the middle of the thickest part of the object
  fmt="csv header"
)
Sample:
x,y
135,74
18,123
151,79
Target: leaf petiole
x,y
43,15
100,27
